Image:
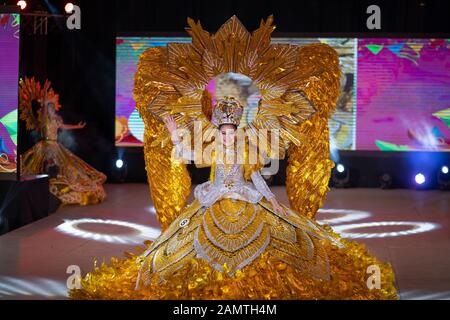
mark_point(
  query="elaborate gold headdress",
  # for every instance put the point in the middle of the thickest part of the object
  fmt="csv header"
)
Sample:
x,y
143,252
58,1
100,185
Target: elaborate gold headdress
x,y
227,111
31,90
298,86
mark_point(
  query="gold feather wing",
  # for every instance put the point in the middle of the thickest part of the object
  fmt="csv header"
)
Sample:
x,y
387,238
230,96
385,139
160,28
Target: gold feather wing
x,y
309,164
169,180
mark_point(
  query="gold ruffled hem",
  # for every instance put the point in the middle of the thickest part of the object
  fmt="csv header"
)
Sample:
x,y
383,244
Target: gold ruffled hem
x,y
62,190
76,183
264,279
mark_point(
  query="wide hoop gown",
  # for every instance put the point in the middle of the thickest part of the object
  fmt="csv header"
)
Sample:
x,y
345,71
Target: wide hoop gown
x,y
229,243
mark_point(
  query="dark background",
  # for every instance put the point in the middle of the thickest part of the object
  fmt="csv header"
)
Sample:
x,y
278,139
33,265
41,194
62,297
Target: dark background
x,y
81,64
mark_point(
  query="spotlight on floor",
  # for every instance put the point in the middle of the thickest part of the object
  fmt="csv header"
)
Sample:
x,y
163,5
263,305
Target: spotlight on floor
x,y
443,178
68,7
385,181
340,176
22,4
120,171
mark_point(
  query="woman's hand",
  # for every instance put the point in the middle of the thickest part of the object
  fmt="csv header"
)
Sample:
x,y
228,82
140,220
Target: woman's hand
x,y
277,207
172,128
81,125
170,124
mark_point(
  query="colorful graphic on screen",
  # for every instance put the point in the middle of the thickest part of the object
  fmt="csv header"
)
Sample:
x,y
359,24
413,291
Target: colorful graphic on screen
x,y
394,92
403,94
9,79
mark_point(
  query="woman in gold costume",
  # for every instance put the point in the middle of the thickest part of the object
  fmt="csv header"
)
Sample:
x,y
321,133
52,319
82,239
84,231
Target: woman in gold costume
x,y
72,180
235,240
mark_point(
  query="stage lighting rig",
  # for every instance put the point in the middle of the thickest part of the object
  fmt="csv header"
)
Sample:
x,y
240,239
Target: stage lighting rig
x,y
42,19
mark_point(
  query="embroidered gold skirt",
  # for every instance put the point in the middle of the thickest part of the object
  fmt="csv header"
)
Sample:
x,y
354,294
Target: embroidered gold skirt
x,y
240,250
75,182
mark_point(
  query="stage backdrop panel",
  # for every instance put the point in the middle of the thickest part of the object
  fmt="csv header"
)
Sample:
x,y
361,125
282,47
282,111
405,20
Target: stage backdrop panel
x,y
394,92
9,82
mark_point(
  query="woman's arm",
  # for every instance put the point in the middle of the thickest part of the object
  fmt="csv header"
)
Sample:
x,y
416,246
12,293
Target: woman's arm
x,y
80,125
264,189
261,185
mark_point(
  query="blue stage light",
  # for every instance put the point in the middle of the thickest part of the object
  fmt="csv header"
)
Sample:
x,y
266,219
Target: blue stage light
x,y
119,163
420,178
444,169
340,168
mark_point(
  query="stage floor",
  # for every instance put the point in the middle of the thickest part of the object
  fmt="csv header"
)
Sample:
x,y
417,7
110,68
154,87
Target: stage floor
x,y
410,229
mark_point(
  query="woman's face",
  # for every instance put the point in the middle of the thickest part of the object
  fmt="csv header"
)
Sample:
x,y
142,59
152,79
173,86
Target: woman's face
x,y
227,134
51,108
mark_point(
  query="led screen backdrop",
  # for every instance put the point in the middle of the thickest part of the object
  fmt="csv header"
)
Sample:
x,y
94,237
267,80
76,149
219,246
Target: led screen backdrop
x,y
403,94
9,82
395,93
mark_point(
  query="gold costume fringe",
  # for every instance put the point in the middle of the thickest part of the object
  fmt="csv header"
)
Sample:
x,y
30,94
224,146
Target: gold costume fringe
x,y
291,262
265,278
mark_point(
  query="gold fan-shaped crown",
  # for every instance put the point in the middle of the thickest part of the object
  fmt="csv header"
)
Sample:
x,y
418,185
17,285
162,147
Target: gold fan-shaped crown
x,y
227,111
